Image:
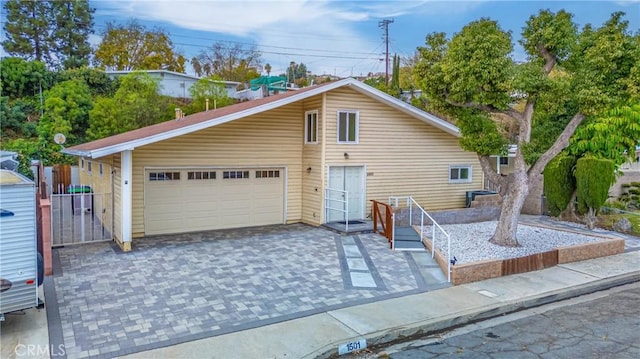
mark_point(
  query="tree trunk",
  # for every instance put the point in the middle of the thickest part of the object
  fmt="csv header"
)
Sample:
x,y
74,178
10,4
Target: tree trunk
x,y
512,202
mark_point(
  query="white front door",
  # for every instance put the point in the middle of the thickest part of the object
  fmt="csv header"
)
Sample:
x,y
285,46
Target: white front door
x,y
350,179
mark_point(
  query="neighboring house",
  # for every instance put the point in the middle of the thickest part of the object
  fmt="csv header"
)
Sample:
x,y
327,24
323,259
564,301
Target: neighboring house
x,y
175,84
278,159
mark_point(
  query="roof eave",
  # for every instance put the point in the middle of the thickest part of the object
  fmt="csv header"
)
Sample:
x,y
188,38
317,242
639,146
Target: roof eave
x,y
408,109
77,153
109,150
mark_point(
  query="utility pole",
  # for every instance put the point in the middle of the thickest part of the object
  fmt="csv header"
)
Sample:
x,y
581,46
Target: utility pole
x,y
384,24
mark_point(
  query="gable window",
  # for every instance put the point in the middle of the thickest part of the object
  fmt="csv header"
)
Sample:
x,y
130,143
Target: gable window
x,y
311,127
460,174
347,127
504,161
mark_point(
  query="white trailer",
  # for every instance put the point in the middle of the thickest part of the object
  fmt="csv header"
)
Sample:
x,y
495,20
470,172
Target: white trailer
x,y
18,243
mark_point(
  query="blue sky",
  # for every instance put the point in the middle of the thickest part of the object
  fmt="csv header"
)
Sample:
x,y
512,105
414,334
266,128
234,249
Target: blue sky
x,y
335,37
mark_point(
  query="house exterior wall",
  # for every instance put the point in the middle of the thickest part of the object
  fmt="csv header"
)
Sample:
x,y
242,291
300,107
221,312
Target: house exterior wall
x,y
272,138
312,186
403,156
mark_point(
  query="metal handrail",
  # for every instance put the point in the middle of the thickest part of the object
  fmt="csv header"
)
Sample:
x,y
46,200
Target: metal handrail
x,y
344,210
410,202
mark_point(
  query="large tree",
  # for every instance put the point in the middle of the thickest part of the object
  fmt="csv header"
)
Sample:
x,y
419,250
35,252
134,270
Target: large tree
x,y
231,62
66,111
136,103
28,29
53,32
568,75
73,25
134,47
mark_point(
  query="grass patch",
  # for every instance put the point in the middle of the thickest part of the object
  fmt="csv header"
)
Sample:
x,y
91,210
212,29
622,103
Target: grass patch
x,y
608,220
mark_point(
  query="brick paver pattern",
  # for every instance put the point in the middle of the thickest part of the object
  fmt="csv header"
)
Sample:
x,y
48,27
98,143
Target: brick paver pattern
x,y
176,288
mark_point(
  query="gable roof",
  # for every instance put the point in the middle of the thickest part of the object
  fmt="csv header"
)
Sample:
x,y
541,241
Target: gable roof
x,y
202,120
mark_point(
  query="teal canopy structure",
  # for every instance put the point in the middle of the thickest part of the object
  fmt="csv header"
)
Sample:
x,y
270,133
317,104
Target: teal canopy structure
x,y
273,83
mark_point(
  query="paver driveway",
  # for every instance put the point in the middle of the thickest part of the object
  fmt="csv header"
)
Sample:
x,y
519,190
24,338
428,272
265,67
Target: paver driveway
x,y
177,288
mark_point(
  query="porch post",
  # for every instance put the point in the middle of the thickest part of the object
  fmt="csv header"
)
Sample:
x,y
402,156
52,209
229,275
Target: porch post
x,y
125,186
498,164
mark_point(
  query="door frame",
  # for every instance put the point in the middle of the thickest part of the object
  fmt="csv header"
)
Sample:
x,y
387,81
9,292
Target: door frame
x,y
363,203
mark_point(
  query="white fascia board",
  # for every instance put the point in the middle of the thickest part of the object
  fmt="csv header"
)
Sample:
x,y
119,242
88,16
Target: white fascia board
x,y
407,108
77,153
213,122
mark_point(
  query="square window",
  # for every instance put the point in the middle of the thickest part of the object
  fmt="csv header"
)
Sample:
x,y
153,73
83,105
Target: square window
x,y
347,127
460,174
311,127
504,161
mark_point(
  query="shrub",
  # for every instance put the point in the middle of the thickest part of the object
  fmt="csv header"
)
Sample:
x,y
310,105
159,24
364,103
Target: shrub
x,y
559,183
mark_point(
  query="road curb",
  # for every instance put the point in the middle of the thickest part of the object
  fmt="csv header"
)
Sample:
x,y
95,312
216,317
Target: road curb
x,y
431,326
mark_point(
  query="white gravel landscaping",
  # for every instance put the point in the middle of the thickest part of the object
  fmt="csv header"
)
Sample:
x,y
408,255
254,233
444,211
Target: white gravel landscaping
x,y
470,241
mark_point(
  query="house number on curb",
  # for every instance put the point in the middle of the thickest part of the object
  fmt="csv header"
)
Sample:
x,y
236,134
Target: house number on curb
x,y
352,346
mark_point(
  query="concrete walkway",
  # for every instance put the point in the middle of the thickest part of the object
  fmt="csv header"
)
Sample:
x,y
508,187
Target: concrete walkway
x,y
318,336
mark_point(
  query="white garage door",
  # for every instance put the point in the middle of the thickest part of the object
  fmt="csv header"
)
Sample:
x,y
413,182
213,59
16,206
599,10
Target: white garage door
x,y
187,200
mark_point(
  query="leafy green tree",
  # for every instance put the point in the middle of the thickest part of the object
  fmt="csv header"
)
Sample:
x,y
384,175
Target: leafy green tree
x,y
137,103
28,29
21,78
594,177
134,47
19,117
614,135
73,25
568,75
379,83
66,111
211,88
99,83
231,62
559,183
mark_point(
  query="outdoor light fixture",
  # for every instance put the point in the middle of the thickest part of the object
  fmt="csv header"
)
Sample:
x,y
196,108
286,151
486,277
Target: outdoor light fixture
x,y
346,156
308,169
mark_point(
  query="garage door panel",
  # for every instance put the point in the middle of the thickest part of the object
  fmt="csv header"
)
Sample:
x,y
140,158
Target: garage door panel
x,y
214,202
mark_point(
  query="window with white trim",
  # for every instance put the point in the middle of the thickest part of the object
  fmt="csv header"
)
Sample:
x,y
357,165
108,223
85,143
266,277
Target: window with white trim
x,y
504,161
311,127
82,163
460,174
89,166
347,127
100,168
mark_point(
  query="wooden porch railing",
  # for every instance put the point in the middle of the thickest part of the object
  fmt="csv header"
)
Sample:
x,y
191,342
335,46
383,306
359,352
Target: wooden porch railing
x,y
385,219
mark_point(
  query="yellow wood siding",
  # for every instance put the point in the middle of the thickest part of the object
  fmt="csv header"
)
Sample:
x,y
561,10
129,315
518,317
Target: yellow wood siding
x,y
312,158
273,139
403,155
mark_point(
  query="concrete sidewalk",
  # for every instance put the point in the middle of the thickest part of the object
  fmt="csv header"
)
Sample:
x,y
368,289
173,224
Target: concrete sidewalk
x,y
318,336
